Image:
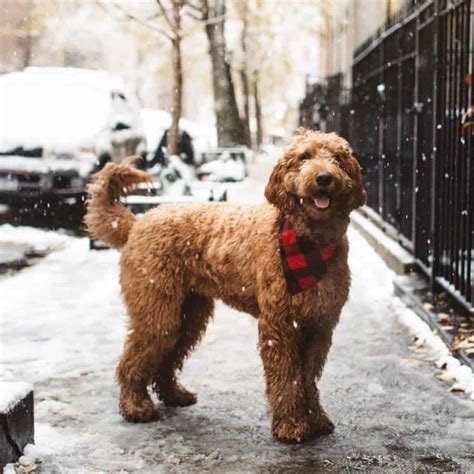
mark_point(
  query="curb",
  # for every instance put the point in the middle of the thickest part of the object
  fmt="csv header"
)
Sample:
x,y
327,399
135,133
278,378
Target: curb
x,y
394,255
404,287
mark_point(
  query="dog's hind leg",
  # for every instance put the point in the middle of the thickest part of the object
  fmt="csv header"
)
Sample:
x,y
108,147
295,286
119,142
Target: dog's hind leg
x,y
155,323
196,312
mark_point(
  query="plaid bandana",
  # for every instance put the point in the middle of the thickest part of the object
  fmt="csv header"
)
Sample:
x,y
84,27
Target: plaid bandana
x,y
304,260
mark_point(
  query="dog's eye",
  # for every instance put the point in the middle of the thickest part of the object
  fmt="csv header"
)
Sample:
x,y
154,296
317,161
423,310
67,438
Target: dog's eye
x,y
337,157
305,156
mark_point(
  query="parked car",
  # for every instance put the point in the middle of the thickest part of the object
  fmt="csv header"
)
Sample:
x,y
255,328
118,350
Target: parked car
x,y
57,126
177,179
157,123
225,165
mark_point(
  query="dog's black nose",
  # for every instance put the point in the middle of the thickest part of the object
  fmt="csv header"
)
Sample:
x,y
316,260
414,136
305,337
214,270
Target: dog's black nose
x,y
324,179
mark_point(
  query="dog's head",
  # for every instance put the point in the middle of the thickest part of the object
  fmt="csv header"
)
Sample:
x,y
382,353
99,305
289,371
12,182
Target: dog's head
x,y
318,176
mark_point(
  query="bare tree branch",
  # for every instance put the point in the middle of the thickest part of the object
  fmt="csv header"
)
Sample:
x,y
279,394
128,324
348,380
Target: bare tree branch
x,y
193,16
195,8
165,16
141,21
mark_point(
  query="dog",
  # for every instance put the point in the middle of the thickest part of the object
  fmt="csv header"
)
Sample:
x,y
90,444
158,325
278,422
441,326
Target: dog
x,y
284,262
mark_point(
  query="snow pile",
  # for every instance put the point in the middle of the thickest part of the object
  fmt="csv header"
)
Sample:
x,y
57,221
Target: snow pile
x,y
223,169
11,393
40,240
459,375
38,307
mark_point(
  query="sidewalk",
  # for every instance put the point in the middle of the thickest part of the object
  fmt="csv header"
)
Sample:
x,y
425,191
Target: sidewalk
x,y
62,327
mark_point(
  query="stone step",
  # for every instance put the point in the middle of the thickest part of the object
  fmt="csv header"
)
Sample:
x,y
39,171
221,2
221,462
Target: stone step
x,y
16,420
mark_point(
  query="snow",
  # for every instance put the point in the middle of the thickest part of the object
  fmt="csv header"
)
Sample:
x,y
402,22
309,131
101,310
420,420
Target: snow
x,y
223,169
11,393
391,248
60,308
63,110
58,111
41,240
12,163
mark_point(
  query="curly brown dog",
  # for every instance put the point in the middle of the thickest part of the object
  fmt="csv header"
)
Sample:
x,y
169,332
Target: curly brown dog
x,y
284,262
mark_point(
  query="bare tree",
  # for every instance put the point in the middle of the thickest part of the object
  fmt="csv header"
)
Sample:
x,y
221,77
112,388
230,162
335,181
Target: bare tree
x,y
166,22
243,10
258,110
230,128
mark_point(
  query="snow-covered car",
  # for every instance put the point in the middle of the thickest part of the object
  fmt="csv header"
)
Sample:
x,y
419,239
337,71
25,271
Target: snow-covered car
x,y
228,165
57,126
156,122
177,179
172,180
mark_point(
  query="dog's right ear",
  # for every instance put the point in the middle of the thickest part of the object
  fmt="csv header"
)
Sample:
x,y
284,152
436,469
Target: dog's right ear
x,y
275,191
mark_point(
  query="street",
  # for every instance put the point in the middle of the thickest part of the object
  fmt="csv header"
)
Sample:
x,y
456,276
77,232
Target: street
x,y
63,325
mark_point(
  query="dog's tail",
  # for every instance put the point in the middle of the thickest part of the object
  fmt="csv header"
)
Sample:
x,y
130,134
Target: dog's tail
x,y
107,218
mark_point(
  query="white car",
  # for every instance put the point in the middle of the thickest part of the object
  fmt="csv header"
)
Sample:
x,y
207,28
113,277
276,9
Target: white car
x,y
227,165
57,126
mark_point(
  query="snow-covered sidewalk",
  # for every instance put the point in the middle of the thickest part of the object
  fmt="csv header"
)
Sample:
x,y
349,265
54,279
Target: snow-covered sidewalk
x,y
62,328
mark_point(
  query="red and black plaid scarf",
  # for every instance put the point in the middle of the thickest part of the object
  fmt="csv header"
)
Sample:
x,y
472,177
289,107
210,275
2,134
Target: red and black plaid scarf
x,y
304,260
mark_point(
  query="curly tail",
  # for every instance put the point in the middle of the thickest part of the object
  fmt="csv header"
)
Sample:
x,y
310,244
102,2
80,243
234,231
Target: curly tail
x,y
107,218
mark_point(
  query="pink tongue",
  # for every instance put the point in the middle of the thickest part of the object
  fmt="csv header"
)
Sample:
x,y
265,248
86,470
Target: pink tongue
x,y
322,202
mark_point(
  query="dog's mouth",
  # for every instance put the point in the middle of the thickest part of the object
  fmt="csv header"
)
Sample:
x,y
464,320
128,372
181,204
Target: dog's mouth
x,y
322,200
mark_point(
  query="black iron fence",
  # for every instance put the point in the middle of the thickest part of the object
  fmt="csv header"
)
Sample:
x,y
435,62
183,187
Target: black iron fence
x,y
412,128
326,105
410,120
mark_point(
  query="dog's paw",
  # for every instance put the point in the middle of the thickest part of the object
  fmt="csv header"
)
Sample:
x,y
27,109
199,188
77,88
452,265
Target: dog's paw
x,y
321,423
138,410
178,397
292,430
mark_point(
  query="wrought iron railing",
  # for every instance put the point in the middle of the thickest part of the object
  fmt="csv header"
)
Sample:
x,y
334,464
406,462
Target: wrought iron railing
x,y
412,127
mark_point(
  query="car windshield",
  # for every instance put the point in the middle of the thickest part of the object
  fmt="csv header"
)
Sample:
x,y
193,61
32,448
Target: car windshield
x,y
51,114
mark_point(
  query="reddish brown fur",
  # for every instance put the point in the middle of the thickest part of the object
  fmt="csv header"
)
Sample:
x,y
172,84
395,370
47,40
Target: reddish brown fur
x,y
177,259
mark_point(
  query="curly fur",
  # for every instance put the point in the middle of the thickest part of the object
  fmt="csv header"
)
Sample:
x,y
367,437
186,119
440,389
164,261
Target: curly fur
x,y
177,259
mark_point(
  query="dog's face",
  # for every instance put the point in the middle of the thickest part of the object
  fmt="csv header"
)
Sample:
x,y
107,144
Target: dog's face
x,y
316,175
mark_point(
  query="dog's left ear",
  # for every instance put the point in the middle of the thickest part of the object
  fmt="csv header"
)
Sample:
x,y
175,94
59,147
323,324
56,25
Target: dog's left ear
x,y
358,196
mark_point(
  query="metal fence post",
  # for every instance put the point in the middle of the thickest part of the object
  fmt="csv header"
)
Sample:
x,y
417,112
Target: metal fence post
x,y
435,150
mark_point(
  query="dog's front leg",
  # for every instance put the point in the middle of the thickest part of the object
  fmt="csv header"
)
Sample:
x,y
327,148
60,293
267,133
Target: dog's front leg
x,y
286,390
316,348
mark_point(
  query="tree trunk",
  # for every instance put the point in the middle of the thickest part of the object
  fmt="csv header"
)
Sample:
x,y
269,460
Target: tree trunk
x,y
230,129
28,51
173,135
258,113
246,94
244,76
